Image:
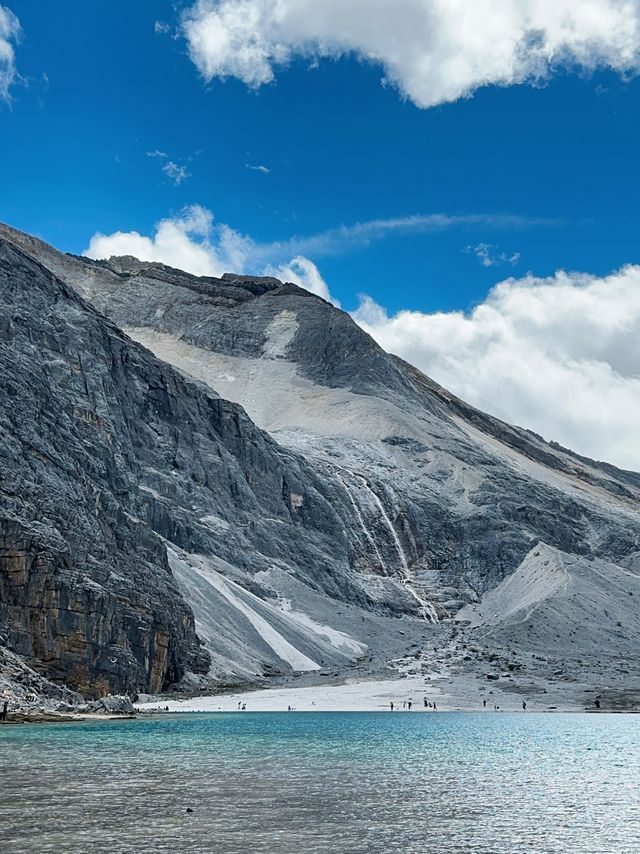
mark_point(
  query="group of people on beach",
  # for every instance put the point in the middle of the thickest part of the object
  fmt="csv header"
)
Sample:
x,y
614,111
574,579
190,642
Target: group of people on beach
x,y
408,705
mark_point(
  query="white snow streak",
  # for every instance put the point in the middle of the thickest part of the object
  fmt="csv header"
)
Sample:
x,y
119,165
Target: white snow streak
x,y
282,648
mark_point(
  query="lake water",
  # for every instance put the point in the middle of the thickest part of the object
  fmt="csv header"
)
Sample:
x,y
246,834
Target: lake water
x,y
324,782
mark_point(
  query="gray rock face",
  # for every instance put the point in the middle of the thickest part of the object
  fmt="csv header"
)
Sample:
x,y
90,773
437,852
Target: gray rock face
x,y
85,589
373,494
105,453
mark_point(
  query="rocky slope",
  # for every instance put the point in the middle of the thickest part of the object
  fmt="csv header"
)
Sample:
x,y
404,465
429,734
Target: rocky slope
x,y
106,454
374,494
554,601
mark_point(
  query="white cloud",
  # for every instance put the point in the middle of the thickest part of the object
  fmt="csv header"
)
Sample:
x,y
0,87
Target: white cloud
x,y
186,242
176,172
490,255
301,271
192,241
264,169
9,35
560,356
336,240
434,51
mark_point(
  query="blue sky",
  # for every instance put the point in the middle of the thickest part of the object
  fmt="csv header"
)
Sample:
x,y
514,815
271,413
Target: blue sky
x,y
531,179
103,88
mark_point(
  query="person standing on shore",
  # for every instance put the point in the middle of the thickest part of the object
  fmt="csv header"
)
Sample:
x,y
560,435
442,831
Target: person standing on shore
x,y
5,708
391,705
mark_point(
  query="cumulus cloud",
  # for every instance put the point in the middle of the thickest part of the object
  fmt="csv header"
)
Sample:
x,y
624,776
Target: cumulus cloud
x,y
189,242
560,356
9,35
194,242
434,51
301,271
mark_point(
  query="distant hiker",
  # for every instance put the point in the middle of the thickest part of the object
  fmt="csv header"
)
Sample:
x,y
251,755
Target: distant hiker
x,y
288,708
409,705
597,702
5,707
484,704
239,704
244,706
425,703
404,704
391,705
524,706
435,708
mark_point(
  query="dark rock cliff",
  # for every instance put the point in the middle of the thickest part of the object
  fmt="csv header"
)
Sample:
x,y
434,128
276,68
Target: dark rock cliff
x,y
105,453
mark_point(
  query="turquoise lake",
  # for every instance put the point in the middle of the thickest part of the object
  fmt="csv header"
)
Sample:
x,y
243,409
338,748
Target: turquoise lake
x,y
324,782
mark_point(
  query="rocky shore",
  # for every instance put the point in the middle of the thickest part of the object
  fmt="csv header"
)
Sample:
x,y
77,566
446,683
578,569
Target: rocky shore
x,y
20,717
31,698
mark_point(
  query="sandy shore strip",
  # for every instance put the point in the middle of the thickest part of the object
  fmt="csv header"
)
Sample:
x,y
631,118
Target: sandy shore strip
x,y
362,696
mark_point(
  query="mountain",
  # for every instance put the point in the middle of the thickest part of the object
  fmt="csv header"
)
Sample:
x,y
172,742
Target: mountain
x,y
241,449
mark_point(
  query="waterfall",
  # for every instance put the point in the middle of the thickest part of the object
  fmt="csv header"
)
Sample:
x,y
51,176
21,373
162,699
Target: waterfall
x,y
396,539
427,609
365,530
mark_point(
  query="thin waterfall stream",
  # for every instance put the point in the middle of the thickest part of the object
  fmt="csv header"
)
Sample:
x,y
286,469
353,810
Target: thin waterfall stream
x,y
427,608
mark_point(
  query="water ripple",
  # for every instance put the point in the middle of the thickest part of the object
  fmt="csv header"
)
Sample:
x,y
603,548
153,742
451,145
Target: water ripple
x,y
321,783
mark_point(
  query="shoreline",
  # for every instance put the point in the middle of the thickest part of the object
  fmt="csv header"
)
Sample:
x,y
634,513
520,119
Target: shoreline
x,y
450,694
